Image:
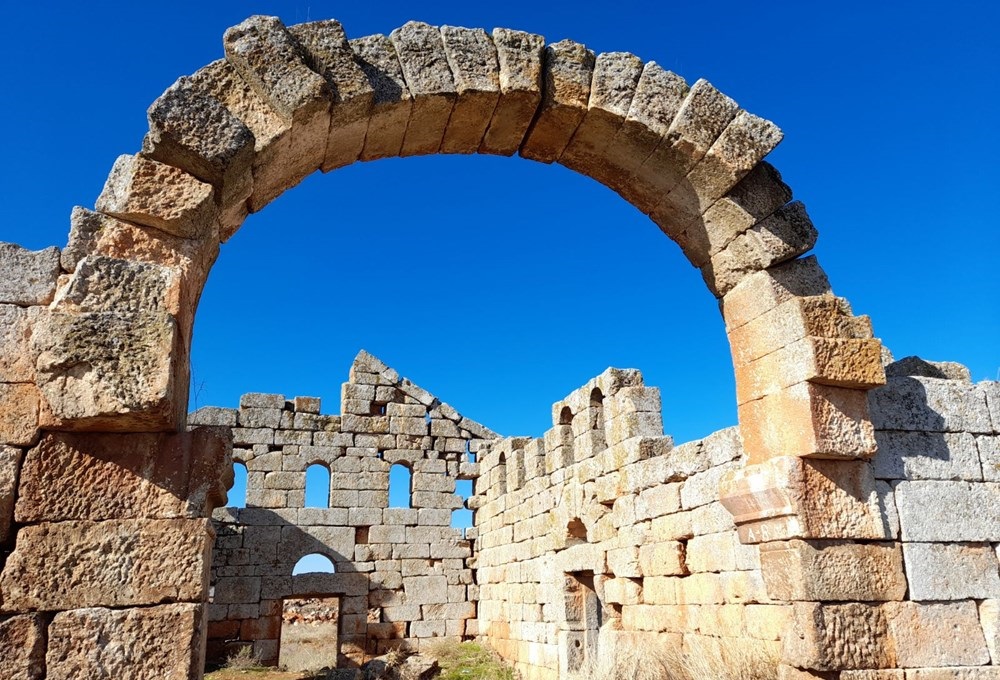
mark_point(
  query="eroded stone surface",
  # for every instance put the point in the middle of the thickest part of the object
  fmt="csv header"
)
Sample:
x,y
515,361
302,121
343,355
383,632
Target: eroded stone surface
x,y
29,277
520,58
161,642
472,58
22,647
425,67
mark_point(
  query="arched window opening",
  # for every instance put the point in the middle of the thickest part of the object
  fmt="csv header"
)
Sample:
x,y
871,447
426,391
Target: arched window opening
x,y
400,486
463,518
317,486
596,409
566,416
314,563
237,496
501,474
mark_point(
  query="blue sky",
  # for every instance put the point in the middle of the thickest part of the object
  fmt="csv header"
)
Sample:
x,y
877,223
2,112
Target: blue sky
x,y
500,284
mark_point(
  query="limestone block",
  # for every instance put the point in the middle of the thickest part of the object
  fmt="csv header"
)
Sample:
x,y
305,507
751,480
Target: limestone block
x,y
917,367
703,488
424,590
109,326
132,644
837,636
785,235
157,195
948,511
762,291
810,420
833,570
262,400
927,455
712,552
989,617
658,97
752,199
624,562
329,54
914,630
29,277
272,62
424,64
472,59
841,362
629,425
259,418
743,144
17,360
666,558
791,497
213,416
519,57
118,563
951,571
616,76
195,132
568,70
954,673
930,405
989,455
821,316
22,647
19,412
111,476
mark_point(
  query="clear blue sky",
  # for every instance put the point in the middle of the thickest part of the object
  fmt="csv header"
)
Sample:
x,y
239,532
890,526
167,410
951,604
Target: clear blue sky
x,y
500,284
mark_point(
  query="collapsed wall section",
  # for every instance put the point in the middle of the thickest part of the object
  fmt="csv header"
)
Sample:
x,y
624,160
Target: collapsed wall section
x,y
403,574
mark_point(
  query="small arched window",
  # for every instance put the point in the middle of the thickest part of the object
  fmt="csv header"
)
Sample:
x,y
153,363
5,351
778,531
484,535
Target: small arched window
x,y
400,486
566,416
237,496
596,409
317,486
501,474
314,563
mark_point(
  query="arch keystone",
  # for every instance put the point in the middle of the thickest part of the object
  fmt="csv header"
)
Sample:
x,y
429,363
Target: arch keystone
x,y
425,67
473,61
520,57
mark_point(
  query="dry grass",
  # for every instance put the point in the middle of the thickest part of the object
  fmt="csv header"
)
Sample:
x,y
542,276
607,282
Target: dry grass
x,y
243,659
719,660
468,661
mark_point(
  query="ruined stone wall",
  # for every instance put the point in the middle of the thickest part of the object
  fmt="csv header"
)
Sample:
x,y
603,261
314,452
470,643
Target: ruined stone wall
x,y
602,533
403,574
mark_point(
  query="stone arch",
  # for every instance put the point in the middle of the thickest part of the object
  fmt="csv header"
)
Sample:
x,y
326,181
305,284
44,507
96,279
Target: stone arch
x,y
111,352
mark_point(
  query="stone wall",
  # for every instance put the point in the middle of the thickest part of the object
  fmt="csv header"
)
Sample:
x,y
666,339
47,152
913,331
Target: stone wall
x,y
402,573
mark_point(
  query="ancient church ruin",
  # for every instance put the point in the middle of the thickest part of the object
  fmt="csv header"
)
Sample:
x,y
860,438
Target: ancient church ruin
x,y
850,523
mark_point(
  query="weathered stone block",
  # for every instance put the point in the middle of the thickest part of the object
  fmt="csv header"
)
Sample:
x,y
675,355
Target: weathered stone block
x,y
10,467
915,632
117,563
272,62
195,132
833,570
951,571
989,617
19,411
158,195
948,511
828,637
810,420
520,58
568,70
425,67
789,497
22,647
329,54
426,589
930,405
472,58
29,277
132,644
17,360
110,476
926,455
763,291
784,235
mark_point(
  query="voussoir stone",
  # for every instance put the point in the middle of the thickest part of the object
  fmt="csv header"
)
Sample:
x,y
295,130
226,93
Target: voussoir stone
x,y
520,58
195,132
569,68
163,642
117,563
28,277
472,58
392,101
329,54
424,62
158,195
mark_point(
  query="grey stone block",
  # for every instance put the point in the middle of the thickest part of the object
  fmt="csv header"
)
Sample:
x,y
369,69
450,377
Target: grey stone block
x,y
926,455
951,571
948,511
214,416
28,277
929,405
